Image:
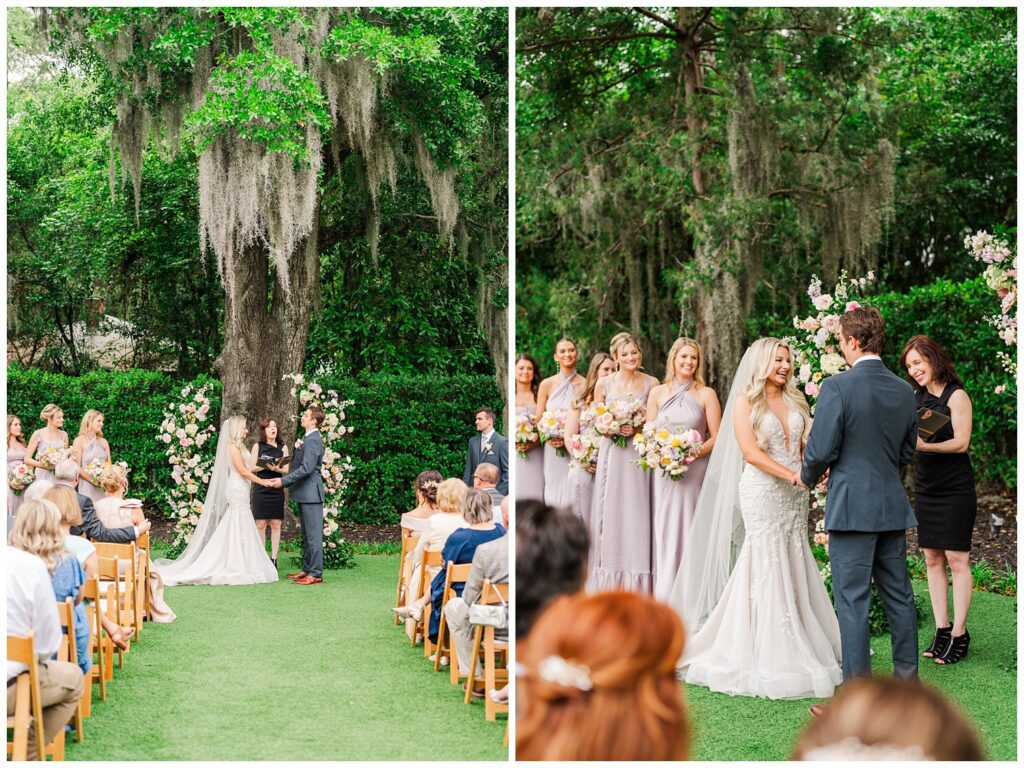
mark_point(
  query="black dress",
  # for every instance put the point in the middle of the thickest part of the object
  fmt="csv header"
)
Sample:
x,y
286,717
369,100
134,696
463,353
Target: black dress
x,y
268,503
945,501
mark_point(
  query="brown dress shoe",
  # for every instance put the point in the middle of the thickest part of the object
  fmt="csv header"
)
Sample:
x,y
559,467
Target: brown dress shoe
x,y
817,710
295,576
307,579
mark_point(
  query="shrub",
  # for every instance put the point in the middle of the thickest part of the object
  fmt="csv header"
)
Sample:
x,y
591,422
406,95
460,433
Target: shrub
x,y
401,425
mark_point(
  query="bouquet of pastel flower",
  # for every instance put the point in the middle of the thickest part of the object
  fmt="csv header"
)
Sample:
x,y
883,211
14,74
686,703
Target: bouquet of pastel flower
x,y
820,534
583,448
551,427
526,432
611,417
95,468
671,452
51,457
20,477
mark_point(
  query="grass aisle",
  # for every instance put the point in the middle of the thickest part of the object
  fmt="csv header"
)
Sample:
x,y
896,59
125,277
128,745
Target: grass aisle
x,y
984,685
279,672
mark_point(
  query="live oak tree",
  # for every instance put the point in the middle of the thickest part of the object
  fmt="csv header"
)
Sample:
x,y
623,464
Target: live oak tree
x,y
281,104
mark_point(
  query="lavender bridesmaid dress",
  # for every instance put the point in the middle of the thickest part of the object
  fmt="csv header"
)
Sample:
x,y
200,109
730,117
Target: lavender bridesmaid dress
x,y
675,500
45,445
556,467
621,516
529,471
94,450
14,456
579,484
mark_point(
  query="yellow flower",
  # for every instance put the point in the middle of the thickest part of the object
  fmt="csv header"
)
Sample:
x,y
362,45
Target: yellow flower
x,y
662,434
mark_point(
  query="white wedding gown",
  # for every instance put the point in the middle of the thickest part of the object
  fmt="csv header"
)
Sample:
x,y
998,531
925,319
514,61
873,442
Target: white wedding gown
x,y
233,554
773,633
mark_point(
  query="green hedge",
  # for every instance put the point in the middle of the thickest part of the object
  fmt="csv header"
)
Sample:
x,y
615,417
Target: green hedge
x,y
402,425
952,314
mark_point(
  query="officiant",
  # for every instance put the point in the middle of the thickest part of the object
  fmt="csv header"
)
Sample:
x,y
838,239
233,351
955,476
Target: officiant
x,y
269,459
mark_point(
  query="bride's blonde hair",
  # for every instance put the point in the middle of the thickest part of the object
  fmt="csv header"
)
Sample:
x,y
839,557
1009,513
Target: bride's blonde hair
x,y
762,360
234,426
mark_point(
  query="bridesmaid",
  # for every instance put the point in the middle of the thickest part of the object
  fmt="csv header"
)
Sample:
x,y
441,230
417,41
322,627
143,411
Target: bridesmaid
x,y
579,483
683,402
89,446
556,393
50,436
621,515
529,471
15,455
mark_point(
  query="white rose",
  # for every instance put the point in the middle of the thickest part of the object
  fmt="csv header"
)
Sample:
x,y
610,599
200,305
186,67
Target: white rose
x,y
832,363
823,302
191,429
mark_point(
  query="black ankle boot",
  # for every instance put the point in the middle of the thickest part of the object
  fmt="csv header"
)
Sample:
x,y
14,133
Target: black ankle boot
x,y
957,650
939,643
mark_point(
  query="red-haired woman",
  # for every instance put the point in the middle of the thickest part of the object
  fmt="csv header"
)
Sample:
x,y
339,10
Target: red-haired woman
x,y
268,503
945,502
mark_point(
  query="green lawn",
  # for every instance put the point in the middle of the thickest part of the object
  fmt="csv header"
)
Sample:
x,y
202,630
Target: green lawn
x,y
984,685
280,672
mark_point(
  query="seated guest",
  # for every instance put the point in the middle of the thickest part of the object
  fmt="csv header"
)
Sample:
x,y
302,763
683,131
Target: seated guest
x,y
67,474
489,562
551,559
32,607
460,548
71,514
881,718
37,531
114,510
415,520
450,494
598,681
485,478
37,490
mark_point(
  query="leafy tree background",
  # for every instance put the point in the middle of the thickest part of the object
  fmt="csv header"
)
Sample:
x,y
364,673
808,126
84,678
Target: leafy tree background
x,y
686,171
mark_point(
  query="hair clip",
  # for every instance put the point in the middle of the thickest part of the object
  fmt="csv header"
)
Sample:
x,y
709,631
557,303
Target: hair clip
x,y
555,669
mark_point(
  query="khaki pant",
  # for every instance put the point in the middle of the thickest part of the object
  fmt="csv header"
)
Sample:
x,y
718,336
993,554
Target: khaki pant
x,y
61,685
457,618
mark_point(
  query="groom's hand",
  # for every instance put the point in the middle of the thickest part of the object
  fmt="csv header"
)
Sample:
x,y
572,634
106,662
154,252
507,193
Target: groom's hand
x,y
275,483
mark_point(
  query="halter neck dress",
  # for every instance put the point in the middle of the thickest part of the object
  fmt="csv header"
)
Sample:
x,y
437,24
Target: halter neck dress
x,y
556,468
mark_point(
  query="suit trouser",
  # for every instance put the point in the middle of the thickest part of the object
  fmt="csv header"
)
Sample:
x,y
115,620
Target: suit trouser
x,y
61,685
313,535
857,556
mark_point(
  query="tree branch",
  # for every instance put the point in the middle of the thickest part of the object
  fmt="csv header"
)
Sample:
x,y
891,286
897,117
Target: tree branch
x,y
596,39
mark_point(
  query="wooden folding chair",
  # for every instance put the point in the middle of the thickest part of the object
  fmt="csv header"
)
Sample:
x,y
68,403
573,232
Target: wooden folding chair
x,y
485,642
454,575
131,604
144,567
430,560
112,586
68,651
100,643
404,570
28,704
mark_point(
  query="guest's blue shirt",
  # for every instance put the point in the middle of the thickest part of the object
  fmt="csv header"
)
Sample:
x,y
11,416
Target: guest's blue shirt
x,y
68,579
458,549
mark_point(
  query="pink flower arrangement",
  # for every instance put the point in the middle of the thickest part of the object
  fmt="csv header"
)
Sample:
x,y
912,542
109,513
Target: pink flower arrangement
x,y
20,477
526,432
663,449
551,427
611,417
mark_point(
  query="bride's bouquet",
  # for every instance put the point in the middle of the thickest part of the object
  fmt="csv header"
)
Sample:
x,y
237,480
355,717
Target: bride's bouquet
x,y
51,457
526,431
617,414
671,452
552,427
20,477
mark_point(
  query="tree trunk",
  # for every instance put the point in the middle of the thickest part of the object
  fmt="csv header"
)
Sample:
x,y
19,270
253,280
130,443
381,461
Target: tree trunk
x,y
492,311
265,335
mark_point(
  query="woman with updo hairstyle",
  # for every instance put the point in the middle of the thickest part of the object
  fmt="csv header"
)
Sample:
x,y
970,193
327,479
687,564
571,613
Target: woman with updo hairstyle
x,y
114,510
598,682
888,719
945,500
529,470
16,450
621,512
42,440
556,394
89,446
683,402
440,526
414,522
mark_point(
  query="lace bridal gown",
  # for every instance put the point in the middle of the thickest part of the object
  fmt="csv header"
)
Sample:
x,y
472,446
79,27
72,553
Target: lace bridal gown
x,y
225,547
773,632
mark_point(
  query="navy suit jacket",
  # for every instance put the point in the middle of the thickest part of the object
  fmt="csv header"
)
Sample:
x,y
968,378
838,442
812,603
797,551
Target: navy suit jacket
x,y
306,485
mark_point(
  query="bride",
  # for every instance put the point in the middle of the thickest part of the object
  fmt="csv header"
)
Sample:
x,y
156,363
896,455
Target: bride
x,y
766,626
225,547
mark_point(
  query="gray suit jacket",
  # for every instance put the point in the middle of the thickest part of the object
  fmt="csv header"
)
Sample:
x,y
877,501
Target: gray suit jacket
x,y
865,429
307,487
94,528
490,561
498,456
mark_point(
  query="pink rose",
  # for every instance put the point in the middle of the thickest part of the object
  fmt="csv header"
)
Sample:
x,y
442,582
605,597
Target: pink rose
x,y
823,302
811,389
852,305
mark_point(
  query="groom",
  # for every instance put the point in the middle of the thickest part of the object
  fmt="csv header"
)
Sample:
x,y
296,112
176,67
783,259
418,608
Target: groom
x,y
307,488
865,429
